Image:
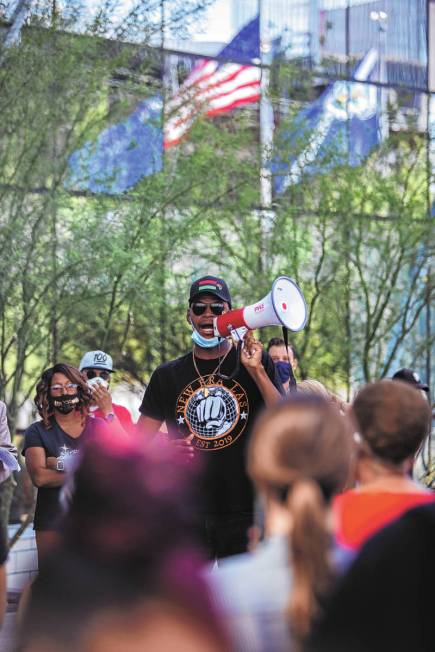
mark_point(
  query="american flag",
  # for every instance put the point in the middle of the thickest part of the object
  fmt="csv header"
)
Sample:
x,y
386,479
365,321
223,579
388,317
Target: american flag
x,y
127,151
214,87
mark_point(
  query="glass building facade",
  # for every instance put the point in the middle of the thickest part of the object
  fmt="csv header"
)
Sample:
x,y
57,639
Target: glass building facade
x,y
359,73
333,40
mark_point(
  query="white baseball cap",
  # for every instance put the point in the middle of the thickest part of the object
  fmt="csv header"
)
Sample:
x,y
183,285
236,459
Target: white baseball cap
x,y
96,360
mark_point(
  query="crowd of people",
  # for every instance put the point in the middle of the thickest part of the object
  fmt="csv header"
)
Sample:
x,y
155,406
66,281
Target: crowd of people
x,y
272,515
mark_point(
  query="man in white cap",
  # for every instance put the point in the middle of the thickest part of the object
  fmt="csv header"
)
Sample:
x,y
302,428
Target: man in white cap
x,y
97,367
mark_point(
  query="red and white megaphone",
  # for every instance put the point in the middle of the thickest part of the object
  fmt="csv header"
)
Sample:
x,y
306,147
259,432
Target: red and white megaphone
x,y
283,306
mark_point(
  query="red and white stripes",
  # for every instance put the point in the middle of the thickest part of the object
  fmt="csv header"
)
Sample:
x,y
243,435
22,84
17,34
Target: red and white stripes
x,y
210,89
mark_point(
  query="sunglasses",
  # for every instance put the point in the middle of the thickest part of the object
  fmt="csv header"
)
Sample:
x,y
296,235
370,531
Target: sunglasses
x,y
90,373
200,308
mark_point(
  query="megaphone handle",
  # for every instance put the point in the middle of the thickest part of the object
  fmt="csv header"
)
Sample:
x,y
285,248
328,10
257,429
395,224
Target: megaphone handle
x,y
292,383
238,334
236,368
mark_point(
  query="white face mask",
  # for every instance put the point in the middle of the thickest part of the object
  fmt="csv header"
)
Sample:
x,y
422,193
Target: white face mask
x,y
97,380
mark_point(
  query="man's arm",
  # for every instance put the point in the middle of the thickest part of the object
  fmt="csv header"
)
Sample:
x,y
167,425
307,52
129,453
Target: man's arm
x,y
148,426
153,403
251,359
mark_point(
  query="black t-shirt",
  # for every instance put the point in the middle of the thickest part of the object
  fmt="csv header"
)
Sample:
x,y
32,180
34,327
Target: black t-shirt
x,y
385,601
220,417
3,546
56,443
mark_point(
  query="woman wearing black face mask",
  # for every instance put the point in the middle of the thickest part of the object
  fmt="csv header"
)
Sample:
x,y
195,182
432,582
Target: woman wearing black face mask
x,y
62,399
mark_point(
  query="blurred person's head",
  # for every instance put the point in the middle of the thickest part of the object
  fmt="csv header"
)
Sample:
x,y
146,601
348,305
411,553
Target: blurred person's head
x,y
61,389
152,625
311,387
299,457
392,419
409,376
127,544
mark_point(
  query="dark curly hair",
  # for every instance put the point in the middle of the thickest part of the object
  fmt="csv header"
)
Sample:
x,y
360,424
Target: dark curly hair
x,y
42,396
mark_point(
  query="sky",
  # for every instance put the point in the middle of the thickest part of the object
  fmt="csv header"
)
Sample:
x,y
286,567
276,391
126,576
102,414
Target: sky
x,y
214,24
216,21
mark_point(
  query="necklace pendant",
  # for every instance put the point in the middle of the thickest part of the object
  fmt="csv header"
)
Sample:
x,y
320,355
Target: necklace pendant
x,y
205,392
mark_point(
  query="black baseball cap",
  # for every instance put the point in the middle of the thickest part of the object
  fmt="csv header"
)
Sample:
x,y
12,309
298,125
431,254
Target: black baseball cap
x,y
210,285
409,376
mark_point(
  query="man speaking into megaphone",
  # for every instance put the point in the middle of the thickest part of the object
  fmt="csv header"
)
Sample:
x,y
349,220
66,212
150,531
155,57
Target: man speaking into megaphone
x,y
209,403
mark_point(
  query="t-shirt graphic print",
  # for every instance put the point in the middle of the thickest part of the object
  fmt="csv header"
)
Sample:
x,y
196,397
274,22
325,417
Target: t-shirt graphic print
x,y
215,414
219,414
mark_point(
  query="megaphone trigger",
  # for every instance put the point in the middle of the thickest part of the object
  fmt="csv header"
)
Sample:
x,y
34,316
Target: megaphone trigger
x,y
238,334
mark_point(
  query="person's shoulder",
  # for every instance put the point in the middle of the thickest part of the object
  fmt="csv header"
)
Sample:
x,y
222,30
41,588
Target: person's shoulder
x,y
234,575
35,435
355,508
171,365
258,580
415,525
236,563
37,427
270,553
345,497
121,409
422,514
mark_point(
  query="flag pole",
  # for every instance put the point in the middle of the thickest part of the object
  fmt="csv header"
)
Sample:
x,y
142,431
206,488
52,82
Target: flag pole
x,y
267,214
266,115
430,163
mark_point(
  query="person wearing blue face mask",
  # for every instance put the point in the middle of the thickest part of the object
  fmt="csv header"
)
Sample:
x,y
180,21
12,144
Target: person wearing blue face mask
x,y
210,415
284,360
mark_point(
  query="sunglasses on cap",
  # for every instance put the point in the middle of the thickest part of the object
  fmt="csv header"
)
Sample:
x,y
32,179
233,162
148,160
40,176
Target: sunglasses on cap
x,y
200,308
91,373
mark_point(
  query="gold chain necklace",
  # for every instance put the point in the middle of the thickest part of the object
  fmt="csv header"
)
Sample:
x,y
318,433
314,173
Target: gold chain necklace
x,y
201,379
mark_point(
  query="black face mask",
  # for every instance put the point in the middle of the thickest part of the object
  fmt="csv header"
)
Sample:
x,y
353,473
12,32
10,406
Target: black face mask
x,y
65,403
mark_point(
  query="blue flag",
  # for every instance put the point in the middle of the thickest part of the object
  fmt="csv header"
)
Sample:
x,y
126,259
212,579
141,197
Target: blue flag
x,y
122,155
344,120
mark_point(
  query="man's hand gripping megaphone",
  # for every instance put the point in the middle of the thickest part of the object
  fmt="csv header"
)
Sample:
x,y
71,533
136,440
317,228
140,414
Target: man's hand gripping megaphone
x,y
252,349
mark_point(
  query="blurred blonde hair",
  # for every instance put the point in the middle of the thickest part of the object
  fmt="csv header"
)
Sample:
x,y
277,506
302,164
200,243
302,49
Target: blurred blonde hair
x,y
300,453
311,387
